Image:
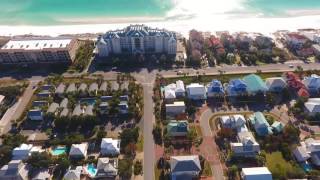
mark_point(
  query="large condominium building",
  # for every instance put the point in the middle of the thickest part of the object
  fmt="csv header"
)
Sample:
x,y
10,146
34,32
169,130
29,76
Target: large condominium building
x,y
137,39
28,51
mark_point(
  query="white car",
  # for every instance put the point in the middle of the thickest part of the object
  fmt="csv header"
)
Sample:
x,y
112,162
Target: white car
x,y
291,66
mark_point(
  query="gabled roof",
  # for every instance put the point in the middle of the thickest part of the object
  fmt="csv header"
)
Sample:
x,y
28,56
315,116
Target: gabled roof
x,y
103,86
83,87
89,110
177,126
110,144
107,165
313,105
169,93
35,112
79,149
255,83
93,87
64,103
73,173
185,163
195,89
301,154
53,107
64,112
60,89
71,88
257,171
105,98
277,126
77,111
312,81
180,87
215,87
275,82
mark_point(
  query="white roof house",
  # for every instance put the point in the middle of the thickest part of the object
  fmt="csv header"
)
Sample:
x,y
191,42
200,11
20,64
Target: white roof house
x,y
176,108
73,173
247,145
14,170
107,167
234,121
275,84
169,91
196,91
110,146
78,150
22,152
301,154
185,167
312,106
1,98
261,173
37,44
180,89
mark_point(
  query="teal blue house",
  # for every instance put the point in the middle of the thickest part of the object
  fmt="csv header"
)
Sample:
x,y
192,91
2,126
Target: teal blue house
x,y
260,124
255,84
277,127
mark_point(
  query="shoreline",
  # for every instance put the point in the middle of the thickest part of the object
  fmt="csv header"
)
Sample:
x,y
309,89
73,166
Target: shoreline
x,y
217,22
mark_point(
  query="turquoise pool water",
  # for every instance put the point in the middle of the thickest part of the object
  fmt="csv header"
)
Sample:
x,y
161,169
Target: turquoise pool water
x,y
91,170
89,101
306,167
58,151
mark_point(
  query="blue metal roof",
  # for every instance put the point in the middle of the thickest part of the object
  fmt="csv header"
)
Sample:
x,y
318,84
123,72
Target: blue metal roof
x,y
215,87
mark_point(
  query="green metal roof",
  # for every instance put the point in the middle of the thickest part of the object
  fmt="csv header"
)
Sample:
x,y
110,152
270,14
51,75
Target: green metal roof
x,y
255,83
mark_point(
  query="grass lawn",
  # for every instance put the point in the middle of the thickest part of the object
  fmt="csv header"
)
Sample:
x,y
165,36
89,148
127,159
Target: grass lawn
x,y
224,78
207,169
275,161
157,173
140,143
199,131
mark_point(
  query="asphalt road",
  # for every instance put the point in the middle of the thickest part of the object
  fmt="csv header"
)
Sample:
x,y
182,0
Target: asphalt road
x,y
148,120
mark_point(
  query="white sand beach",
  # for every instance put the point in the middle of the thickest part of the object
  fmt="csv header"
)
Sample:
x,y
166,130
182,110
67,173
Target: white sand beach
x,y
263,25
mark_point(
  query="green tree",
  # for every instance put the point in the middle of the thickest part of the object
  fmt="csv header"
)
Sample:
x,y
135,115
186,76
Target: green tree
x,y
232,172
157,134
137,167
125,168
40,160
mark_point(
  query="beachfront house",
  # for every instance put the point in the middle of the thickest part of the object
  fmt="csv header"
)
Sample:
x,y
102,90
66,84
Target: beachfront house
x,y
77,111
138,39
175,109
185,167
103,87
35,115
295,40
73,173
107,168
312,83
255,84
308,150
44,94
232,121
71,88
78,150
22,152
60,89
110,147
40,104
14,170
246,145
276,84
254,173
196,91
123,107
64,112
53,108
177,128
312,106
215,88
93,88
236,87
260,124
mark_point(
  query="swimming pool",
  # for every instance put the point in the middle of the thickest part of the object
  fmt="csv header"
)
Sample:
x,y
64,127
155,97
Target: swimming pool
x,y
89,101
91,170
58,151
306,167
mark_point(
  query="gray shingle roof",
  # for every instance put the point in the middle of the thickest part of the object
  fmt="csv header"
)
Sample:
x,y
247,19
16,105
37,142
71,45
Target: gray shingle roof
x,y
93,87
53,107
71,88
60,89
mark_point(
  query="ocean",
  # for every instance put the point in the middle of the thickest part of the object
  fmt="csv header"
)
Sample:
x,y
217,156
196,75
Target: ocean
x,y
61,12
